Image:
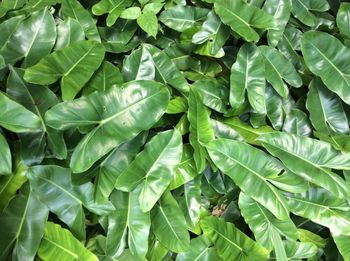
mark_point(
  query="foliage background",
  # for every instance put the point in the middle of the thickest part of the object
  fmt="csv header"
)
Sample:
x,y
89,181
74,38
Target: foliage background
x,y
174,130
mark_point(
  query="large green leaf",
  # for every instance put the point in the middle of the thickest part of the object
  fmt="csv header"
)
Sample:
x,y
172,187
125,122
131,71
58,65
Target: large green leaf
x,y
278,69
132,109
69,32
327,113
24,216
200,129
59,244
75,64
320,206
248,76
35,41
201,249
303,10
169,224
73,9
16,118
181,18
264,225
153,169
316,50
298,154
280,10
114,165
128,225
53,186
5,157
343,19
250,168
231,243
212,30
243,18
114,8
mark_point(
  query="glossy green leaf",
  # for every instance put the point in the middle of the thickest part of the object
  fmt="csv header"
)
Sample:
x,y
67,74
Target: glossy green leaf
x,y
8,5
264,225
114,8
280,10
248,76
331,118
24,216
68,63
153,169
169,224
243,18
59,243
303,10
128,225
249,167
69,32
181,18
298,154
323,208
73,9
149,23
200,129
330,64
16,118
230,242
278,69
5,157
343,17
201,249
297,122
143,101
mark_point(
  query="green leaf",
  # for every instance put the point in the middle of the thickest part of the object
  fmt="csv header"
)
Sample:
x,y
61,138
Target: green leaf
x,y
36,41
298,154
200,129
297,122
342,243
16,118
8,5
321,207
248,76
131,13
327,113
68,63
343,17
59,243
169,224
9,184
69,32
114,165
53,186
128,224
200,249
231,243
249,167
106,77
153,169
264,225
182,18
8,29
315,48
278,69
303,10
280,10
73,9
134,108
25,215
297,250
243,18
149,23
114,8
214,31
5,157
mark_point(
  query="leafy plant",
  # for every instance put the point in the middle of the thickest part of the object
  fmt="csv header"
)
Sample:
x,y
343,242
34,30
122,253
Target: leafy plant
x,y
175,130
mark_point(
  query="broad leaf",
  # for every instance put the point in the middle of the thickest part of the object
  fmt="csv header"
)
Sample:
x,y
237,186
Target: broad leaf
x,y
69,32
200,249
298,154
243,18
231,243
133,108
249,167
303,10
5,157
75,64
59,243
153,169
334,69
114,8
343,19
